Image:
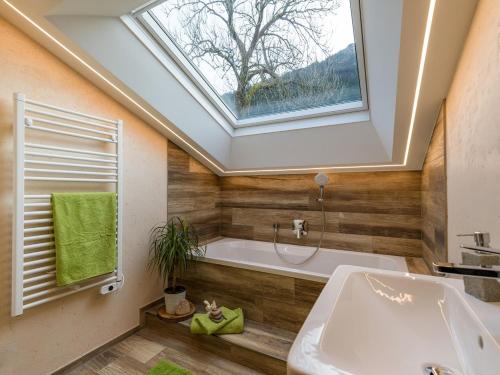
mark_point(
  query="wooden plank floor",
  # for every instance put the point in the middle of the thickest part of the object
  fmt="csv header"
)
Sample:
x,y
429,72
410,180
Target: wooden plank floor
x,y
139,352
136,354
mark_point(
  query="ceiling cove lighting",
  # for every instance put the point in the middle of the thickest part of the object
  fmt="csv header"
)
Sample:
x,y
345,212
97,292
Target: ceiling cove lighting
x,y
425,45
111,84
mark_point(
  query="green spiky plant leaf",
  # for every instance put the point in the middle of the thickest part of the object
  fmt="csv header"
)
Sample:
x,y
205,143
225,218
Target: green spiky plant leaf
x,y
173,247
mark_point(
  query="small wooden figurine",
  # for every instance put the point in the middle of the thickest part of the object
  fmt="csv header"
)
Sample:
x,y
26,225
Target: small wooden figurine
x,y
214,312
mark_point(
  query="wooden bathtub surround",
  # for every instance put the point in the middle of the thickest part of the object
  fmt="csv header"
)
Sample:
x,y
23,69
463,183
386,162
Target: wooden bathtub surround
x,y
434,205
279,301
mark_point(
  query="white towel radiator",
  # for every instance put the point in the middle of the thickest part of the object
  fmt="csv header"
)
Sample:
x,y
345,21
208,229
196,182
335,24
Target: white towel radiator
x,y
91,160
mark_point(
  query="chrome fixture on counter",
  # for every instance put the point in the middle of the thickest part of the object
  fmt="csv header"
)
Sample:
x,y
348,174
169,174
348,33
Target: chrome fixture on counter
x,y
490,272
481,247
480,238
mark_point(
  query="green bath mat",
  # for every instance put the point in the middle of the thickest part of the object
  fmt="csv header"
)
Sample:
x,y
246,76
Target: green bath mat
x,y
168,368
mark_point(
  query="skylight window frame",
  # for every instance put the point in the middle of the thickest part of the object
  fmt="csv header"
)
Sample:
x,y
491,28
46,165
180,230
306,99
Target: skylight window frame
x,y
154,28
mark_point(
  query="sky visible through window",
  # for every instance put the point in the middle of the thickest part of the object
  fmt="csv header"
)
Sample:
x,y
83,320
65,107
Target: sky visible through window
x,y
265,57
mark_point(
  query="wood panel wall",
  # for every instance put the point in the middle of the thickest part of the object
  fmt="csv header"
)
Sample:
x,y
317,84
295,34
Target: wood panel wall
x,y
193,193
434,205
377,212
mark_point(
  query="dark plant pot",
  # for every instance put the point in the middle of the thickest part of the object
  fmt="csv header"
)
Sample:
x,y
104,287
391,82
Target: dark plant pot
x,y
172,298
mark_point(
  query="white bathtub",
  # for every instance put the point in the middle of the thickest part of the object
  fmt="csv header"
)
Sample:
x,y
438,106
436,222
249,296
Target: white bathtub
x,y
260,256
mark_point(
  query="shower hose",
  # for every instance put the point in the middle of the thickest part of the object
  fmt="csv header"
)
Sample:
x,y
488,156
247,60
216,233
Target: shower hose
x,y
283,257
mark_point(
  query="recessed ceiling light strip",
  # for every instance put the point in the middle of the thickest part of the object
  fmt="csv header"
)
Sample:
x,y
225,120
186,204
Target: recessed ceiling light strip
x,y
425,46
89,67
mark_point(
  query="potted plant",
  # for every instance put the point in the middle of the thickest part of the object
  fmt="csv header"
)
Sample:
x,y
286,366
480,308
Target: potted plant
x,y
173,246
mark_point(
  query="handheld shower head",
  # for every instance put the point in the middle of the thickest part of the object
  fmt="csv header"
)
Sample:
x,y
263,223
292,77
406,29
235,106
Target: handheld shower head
x,y
321,179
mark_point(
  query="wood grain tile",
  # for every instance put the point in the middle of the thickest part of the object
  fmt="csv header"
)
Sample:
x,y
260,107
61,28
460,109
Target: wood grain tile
x,y
81,370
434,208
101,360
198,361
260,294
289,315
397,246
365,211
269,340
249,358
124,366
138,348
185,354
256,339
193,193
251,304
276,287
307,290
417,265
207,354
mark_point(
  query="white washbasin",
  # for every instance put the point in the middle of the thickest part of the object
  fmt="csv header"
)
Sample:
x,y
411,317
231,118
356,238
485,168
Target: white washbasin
x,y
371,322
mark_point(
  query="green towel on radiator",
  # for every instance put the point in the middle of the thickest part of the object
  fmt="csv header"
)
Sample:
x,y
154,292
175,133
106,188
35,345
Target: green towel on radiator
x,y
234,322
168,368
85,235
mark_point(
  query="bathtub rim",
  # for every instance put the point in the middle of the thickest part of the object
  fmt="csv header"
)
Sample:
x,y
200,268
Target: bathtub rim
x,y
276,270
288,271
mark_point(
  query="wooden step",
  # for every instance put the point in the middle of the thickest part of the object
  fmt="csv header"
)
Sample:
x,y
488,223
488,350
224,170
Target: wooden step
x,y
260,347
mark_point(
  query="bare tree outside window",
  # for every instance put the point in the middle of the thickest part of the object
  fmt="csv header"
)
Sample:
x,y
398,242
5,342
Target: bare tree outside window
x,y
272,55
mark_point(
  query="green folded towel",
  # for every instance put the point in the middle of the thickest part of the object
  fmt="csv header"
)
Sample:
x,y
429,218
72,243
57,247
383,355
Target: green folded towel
x,y
85,235
168,368
200,322
209,326
236,326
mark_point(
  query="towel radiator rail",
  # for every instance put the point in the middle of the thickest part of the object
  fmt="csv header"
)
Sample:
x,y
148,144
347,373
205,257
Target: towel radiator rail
x,y
39,163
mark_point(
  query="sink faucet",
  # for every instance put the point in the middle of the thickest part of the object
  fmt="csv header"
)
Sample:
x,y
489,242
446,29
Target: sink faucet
x,y
481,246
480,238
299,228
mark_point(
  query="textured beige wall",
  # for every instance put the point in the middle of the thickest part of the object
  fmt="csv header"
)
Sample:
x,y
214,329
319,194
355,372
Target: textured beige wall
x,y
52,335
473,132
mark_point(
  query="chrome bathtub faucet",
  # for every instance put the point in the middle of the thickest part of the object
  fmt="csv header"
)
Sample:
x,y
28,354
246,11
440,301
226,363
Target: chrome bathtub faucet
x,y
299,228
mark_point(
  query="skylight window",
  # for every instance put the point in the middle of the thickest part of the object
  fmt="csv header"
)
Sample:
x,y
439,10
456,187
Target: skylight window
x,y
266,58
